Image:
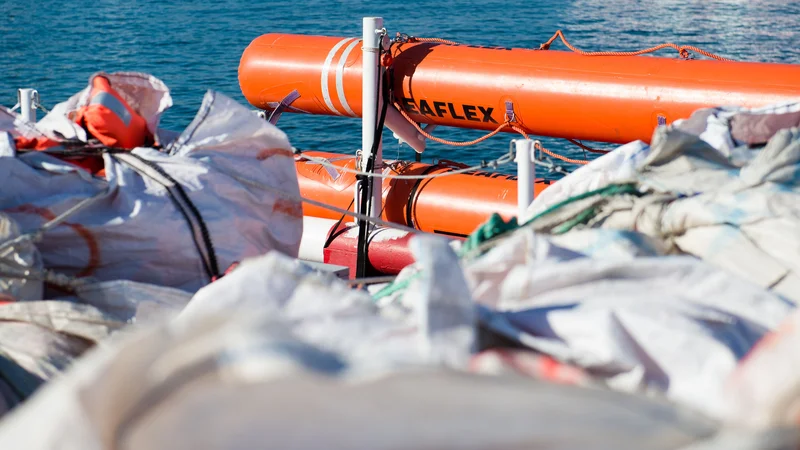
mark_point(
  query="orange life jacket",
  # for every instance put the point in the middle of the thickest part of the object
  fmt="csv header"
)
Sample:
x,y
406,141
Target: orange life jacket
x,y
37,143
93,164
110,119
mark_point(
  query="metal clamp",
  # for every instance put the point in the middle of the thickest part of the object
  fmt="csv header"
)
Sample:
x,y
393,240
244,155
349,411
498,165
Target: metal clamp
x,y
510,116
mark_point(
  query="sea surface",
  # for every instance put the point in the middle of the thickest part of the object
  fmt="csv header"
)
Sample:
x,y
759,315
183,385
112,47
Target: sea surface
x,y
54,45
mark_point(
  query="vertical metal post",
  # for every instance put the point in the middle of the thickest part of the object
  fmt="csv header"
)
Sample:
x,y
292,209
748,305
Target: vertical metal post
x,y
526,174
371,150
371,102
27,109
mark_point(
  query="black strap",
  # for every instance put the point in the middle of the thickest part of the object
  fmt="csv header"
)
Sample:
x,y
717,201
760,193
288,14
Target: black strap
x,y
182,202
412,196
335,232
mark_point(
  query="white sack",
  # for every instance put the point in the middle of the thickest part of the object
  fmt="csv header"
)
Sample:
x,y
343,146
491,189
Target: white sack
x,y
237,169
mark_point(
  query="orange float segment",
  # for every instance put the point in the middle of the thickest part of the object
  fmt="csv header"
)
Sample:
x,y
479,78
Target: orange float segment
x,y
553,93
274,65
453,205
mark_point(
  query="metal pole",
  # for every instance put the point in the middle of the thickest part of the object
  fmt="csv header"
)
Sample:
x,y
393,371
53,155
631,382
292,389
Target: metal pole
x,y
26,107
526,173
370,102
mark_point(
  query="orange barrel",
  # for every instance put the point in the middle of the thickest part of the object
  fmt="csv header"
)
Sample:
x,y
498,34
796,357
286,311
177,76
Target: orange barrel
x,y
552,93
453,205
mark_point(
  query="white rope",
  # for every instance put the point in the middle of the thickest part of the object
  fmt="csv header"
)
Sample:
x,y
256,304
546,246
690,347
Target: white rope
x,y
346,212
38,105
47,276
374,220
35,236
505,159
550,165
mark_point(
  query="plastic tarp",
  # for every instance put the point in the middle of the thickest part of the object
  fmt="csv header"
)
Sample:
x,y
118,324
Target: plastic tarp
x,y
765,389
299,360
132,302
236,169
39,339
721,186
672,326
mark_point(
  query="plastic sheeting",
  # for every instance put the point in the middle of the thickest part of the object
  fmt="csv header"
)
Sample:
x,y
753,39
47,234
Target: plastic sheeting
x,y
721,186
131,249
334,317
764,391
299,360
671,326
236,169
41,339
133,303
615,166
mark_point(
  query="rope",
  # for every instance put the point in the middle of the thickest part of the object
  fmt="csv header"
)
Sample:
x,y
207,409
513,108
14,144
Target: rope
x,y
436,40
493,164
550,166
47,276
36,235
587,148
557,156
456,143
38,105
682,50
374,220
289,196
500,128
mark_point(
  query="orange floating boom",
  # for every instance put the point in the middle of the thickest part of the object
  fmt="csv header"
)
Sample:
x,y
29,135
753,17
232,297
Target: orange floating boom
x,y
454,205
553,93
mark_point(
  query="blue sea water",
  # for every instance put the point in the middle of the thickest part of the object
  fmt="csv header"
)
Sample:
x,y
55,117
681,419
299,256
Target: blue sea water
x,y
193,46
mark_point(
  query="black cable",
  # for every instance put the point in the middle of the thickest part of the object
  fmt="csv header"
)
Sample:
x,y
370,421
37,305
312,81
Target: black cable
x,y
413,194
336,233
211,265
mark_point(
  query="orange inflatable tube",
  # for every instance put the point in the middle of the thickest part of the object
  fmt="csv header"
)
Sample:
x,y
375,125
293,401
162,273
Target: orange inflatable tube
x,y
552,93
454,205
